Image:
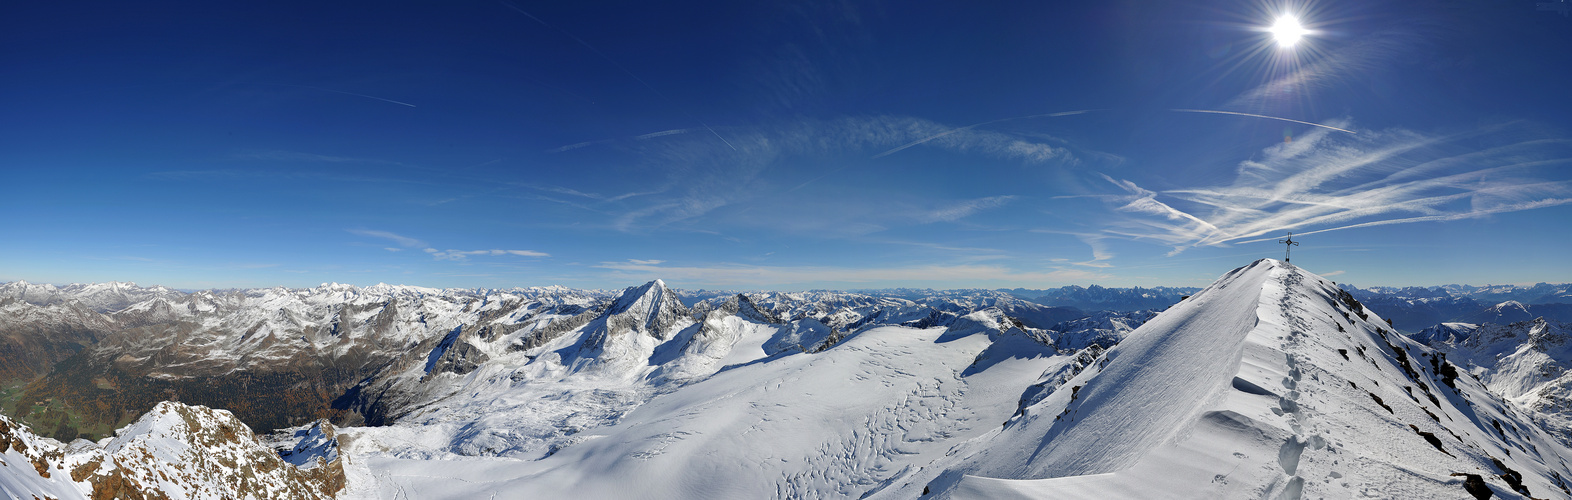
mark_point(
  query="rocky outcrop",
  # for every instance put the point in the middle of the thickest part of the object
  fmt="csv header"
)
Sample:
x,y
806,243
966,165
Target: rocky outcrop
x,y
1525,362
650,309
174,451
197,452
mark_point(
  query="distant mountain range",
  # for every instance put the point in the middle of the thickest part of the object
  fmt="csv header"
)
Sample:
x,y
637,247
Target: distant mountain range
x,y
1414,308
1268,383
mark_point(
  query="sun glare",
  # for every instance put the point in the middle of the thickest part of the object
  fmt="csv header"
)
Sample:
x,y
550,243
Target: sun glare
x,y
1287,31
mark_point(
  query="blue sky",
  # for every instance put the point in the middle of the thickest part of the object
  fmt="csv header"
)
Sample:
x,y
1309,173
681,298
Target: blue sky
x,y
784,145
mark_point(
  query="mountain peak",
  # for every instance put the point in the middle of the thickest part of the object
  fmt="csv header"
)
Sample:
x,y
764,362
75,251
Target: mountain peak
x,y
1510,305
1273,368
650,308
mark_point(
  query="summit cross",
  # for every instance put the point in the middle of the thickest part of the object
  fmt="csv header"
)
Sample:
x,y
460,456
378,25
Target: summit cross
x,y
1289,244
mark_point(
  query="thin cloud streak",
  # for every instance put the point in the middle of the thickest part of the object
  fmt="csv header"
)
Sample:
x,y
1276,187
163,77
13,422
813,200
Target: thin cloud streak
x,y
755,276
1329,183
401,103
1253,115
972,126
1100,252
464,255
881,131
967,208
577,145
404,241
703,179
274,155
454,255
662,133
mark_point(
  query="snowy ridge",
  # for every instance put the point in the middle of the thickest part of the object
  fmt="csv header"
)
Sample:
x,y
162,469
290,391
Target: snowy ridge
x,y
249,350
1269,383
252,329
1524,362
531,395
1414,308
1272,382
175,452
308,446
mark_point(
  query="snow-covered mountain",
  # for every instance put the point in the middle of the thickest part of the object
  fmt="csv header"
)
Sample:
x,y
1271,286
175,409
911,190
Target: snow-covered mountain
x,y
275,357
1270,383
1097,298
532,393
1525,362
1415,308
280,357
173,451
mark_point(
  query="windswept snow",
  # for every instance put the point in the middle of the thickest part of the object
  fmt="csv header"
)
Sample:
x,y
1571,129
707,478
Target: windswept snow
x,y
175,452
1270,383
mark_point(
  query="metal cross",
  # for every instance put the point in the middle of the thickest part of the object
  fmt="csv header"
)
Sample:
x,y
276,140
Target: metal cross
x,y
1290,244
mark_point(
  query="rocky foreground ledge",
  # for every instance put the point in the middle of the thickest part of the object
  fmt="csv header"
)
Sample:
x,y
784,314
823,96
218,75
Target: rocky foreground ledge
x,y
173,451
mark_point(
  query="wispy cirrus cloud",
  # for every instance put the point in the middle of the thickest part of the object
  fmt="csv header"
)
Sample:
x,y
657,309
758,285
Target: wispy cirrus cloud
x,y
453,255
662,133
294,156
999,145
401,240
1100,253
641,137
1332,181
463,255
737,275
577,145
704,178
966,208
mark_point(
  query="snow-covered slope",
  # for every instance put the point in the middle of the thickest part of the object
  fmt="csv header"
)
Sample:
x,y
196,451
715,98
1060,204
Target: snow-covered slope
x,y
1525,362
1270,383
276,357
34,337
281,357
173,452
1413,308
540,390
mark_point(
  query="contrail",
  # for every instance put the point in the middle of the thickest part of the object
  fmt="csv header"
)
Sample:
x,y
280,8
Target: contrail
x,y
341,92
624,70
1261,116
969,127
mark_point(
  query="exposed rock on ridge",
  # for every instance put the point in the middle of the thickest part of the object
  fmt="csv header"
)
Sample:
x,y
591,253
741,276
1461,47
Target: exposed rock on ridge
x,y
174,451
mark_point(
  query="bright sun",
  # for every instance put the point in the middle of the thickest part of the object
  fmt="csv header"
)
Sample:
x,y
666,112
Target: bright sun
x,y
1287,31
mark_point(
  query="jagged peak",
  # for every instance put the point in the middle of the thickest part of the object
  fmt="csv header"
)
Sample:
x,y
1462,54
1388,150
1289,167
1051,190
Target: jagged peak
x,y
653,293
741,305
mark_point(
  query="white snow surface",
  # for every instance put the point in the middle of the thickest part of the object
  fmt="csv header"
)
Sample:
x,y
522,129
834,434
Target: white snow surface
x,y
1524,362
1242,392
177,451
1263,385
1271,383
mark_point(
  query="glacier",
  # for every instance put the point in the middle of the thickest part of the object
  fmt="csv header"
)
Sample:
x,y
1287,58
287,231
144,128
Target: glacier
x,y
1272,382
